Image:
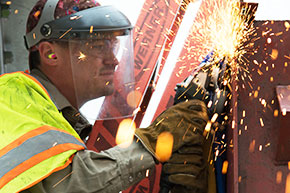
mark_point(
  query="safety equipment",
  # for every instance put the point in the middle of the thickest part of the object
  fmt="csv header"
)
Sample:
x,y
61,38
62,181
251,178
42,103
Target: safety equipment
x,y
185,164
51,56
81,24
35,139
104,64
186,170
185,121
99,57
190,169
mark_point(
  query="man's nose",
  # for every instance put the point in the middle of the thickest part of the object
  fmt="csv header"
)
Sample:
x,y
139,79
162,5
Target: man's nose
x,y
110,58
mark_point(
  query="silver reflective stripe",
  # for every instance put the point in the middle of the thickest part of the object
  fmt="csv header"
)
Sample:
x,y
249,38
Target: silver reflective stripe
x,y
32,147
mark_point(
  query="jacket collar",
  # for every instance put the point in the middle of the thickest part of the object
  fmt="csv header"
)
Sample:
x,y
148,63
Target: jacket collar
x,y
59,100
72,115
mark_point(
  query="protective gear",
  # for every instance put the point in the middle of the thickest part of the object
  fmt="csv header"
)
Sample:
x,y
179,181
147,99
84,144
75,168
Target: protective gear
x,y
36,140
81,24
97,44
106,62
52,56
185,121
190,169
185,164
187,168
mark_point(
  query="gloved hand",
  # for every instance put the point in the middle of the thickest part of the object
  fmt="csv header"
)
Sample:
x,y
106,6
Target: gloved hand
x,y
185,121
193,91
187,170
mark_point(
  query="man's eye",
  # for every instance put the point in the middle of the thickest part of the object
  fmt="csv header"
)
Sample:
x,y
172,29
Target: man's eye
x,y
99,47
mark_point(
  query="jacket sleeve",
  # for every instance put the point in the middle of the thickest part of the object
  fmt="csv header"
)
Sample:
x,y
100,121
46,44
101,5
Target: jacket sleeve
x,y
109,171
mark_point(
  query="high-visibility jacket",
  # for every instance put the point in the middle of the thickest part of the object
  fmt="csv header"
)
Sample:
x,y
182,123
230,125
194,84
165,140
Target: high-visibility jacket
x,y
35,139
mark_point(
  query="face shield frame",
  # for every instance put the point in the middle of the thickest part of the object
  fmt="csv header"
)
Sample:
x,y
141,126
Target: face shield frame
x,y
82,23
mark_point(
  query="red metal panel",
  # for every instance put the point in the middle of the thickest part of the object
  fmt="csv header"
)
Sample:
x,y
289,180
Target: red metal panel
x,y
283,150
233,145
257,124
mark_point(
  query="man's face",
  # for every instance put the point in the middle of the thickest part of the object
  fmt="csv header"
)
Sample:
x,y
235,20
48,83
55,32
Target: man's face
x,y
93,64
88,69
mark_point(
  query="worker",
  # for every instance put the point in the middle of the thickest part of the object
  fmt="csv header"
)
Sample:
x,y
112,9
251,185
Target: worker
x,y
75,47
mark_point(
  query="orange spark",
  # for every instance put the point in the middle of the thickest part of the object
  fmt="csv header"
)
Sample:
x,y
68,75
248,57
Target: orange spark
x,y
125,133
134,98
278,177
225,167
261,122
207,128
284,111
287,25
82,56
233,124
147,173
252,146
274,54
256,94
287,187
164,146
62,179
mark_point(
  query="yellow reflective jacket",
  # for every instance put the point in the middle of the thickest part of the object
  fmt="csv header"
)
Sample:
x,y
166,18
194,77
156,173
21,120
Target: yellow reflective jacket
x,y
35,139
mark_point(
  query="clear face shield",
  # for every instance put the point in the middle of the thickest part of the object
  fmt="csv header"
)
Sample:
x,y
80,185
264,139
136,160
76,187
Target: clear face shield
x,y
103,74
97,57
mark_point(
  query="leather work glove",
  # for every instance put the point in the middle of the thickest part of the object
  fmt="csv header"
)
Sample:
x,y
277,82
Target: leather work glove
x,y
185,121
189,169
193,91
186,169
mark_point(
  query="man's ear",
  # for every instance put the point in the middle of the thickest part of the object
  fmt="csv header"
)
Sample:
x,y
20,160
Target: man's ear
x,y
47,53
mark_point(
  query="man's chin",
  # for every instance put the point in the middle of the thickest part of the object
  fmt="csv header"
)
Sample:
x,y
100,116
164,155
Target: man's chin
x,y
108,90
95,93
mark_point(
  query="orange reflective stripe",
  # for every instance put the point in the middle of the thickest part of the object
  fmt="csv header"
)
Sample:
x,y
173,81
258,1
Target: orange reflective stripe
x,y
34,146
37,159
9,73
23,138
55,170
29,135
